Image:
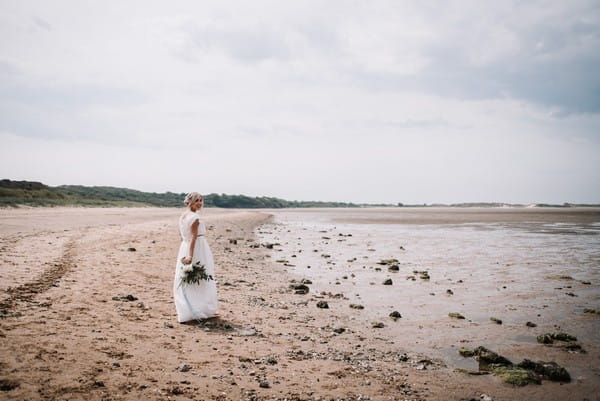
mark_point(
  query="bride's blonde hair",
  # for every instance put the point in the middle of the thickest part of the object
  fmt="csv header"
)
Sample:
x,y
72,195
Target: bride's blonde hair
x,y
191,198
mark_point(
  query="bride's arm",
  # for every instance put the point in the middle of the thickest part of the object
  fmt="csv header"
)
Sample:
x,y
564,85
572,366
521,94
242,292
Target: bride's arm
x,y
194,229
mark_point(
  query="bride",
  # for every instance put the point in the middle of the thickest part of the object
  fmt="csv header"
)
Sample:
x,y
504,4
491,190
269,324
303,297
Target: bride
x,y
194,301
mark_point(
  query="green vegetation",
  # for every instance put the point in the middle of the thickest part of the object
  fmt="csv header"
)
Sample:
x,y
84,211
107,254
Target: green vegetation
x,y
29,193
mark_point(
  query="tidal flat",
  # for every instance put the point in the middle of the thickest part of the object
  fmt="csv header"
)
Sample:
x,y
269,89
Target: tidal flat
x,y
87,308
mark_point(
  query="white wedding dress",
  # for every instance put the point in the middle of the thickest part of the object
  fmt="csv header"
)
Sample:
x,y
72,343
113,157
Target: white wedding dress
x,y
194,301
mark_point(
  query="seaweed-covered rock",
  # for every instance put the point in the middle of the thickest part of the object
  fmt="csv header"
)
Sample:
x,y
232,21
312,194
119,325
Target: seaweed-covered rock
x,y
530,324
377,325
356,306
455,315
550,338
515,375
549,370
592,311
489,357
466,353
388,281
496,320
393,268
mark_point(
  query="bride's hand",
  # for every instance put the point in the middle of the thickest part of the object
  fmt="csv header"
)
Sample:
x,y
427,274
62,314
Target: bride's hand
x,y
187,260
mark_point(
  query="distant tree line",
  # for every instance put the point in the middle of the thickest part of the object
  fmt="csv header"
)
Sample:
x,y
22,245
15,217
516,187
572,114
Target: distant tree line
x,y
13,193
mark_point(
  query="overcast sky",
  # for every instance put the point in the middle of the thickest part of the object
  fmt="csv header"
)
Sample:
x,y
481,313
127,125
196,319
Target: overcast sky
x,y
362,101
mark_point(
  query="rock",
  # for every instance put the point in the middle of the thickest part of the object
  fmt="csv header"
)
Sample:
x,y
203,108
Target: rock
x,y
272,360
264,384
339,330
127,298
322,305
592,311
516,375
388,281
8,385
167,325
233,241
549,370
530,324
357,306
449,292
393,268
395,315
98,383
388,262
485,397
455,315
184,367
466,353
549,338
131,249
300,288
496,320
306,281
489,357
377,325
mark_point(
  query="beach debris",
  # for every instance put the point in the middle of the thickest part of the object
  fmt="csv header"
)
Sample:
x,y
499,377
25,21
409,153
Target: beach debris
x,y
496,320
530,324
356,306
131,249
395,315
592,311
125,298
455,315
323,305
377,325
387,281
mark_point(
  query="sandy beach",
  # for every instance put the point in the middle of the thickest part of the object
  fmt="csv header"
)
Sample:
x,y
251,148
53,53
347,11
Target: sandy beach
x,y
87,308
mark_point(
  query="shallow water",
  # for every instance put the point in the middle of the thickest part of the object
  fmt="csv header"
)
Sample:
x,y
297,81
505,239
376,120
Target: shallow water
x,y
517,265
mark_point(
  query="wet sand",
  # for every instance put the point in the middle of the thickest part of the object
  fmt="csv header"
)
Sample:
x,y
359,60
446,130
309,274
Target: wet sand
x,y
69,331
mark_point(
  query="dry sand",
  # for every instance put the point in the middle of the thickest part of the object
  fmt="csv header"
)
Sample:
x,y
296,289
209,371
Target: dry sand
x,y
69,332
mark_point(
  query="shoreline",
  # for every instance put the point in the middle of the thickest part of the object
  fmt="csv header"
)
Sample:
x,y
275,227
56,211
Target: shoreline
x,y
72,338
